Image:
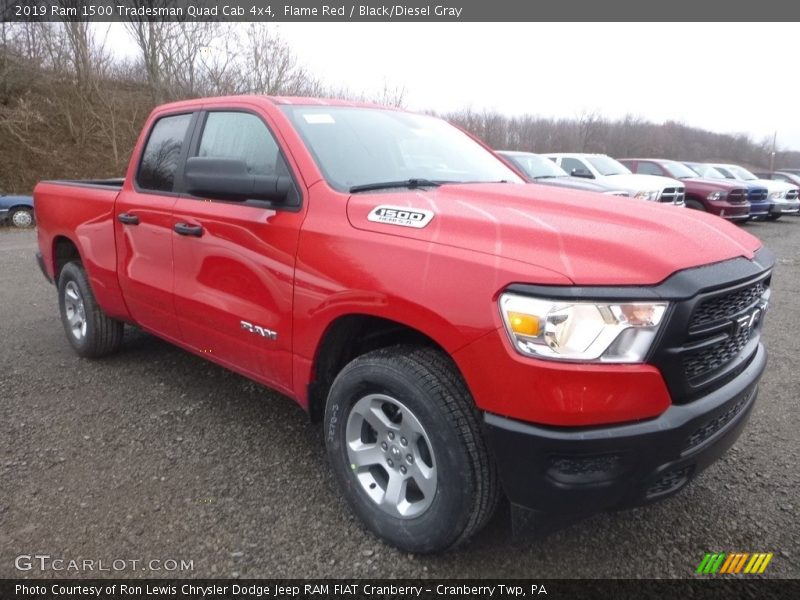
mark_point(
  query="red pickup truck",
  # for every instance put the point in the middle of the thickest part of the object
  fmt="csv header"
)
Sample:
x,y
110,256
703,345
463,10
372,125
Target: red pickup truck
x,y
461,336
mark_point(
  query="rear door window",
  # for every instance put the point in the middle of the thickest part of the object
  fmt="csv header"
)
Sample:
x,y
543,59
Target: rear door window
x,y
162,153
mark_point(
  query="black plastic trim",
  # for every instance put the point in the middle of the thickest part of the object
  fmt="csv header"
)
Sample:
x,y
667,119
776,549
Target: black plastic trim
x,y
679,286
630,460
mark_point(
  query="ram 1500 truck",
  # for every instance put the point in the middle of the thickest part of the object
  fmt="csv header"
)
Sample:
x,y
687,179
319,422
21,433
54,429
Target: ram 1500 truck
x,y
459,334
718,197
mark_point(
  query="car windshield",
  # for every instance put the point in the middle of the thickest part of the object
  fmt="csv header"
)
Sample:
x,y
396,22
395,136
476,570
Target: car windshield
x,y
679,171
606,165
741,173
536,167
706,171
363,146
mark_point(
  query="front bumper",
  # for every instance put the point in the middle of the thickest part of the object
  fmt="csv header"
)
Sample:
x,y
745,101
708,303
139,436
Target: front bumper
x,y
584,470
785,208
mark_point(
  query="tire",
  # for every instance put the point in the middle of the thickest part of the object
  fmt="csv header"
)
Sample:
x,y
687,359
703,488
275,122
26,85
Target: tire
x,y
773,216
409,403
89,330
695,205
21,218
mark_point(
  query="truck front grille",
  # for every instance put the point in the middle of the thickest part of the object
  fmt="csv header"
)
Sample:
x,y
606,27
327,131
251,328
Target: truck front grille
x,y
726,305
711,337
672,195
791,195
737,196
757,194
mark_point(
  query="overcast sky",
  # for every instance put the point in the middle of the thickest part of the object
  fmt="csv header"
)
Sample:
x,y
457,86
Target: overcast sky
x,y
724,77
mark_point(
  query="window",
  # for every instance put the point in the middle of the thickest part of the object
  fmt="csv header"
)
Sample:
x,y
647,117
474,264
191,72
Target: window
x,y
572,165
648,168
162,153
245,137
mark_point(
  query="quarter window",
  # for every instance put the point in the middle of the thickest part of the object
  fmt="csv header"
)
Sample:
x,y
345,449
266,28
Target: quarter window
x,y
162,153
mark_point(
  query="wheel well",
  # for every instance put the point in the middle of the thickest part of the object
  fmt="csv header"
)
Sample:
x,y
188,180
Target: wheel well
x,y
347,338
20,206
64,251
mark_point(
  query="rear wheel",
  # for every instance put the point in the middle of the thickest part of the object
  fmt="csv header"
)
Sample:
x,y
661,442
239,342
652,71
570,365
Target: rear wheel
x,y
405,443
89,330
22,218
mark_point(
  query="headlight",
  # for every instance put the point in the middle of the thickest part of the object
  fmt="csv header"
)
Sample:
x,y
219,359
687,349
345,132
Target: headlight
x,y
777,195
715,196
646,195
582,331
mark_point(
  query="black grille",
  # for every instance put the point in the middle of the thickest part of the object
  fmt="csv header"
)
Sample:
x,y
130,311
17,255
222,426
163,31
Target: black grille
x,y
727,305
791,195
757,194
701,434
674,195
737,196
710,359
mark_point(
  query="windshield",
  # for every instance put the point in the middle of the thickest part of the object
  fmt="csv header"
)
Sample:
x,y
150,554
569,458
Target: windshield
x,y
706,171
535,166
741,173
361,146
678,171
606,165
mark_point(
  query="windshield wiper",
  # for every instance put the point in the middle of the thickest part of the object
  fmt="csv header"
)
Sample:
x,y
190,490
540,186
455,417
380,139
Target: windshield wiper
x,y
407,183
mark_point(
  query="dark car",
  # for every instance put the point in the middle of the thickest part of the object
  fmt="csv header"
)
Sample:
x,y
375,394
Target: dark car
x,y
538,169
17,210
715,196
757,195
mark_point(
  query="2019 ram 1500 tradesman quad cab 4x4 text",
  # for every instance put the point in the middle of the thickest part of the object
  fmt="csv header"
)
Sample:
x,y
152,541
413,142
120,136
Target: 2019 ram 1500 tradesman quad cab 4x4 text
x,y
459,334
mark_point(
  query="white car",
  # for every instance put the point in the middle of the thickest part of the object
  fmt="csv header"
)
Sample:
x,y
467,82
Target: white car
x,y
783,196
605,169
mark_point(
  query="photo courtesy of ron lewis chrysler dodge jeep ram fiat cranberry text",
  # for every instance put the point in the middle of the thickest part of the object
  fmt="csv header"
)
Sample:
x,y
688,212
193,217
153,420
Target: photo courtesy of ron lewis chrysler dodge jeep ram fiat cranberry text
x,y
461,334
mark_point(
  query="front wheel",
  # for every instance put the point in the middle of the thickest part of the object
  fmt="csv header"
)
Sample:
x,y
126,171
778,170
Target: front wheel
x,y
404,440
22,218
89,330
774,216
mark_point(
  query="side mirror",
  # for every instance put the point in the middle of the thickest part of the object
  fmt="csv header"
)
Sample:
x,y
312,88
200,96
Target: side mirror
x,y
585,173
228,179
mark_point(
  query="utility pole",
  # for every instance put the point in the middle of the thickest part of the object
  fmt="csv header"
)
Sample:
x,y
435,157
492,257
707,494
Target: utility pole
x,y
772,153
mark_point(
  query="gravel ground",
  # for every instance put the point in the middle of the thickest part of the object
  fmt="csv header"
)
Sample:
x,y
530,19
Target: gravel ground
x,y
156,454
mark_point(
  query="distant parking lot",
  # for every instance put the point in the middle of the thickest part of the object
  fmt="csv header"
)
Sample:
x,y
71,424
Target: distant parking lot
x,y
156,455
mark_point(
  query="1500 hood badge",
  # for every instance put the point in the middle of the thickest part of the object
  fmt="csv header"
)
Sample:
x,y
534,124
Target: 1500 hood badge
x,y
400,215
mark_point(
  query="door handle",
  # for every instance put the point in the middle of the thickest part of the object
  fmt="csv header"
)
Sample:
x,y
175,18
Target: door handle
x,y
186,229
128,219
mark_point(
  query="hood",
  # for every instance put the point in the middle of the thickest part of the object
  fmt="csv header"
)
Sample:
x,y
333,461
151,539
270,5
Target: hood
x,y
772,185
591,239
636,182
713,184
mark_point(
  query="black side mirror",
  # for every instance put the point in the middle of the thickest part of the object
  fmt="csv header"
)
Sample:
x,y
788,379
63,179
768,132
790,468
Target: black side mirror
x,y
585,173
228,179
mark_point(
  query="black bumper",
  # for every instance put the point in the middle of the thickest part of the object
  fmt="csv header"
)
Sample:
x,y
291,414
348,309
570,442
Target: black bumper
x,y
586,470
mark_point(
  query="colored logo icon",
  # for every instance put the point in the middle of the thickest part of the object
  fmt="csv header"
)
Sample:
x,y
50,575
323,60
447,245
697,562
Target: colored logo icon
x,y
734,563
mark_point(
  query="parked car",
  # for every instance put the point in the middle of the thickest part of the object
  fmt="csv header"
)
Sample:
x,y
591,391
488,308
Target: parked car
x,y
790,178
605,169
757,195
455,330
535,168
17,210
784,197
789,170
715,196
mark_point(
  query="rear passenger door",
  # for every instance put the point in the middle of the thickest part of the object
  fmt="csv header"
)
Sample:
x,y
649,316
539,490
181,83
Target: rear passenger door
x,y
234,269
143,225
